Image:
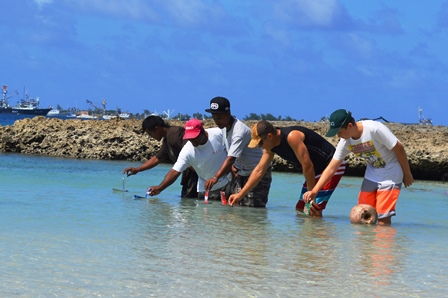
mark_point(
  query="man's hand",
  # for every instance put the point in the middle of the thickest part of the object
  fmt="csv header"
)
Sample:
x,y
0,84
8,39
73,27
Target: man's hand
x,y
314,210
154,190
408,180
210,182
130,171
309,196
234,199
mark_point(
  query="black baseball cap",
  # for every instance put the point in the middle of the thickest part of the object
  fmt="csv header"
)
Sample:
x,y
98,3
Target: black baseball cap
x,y
219,105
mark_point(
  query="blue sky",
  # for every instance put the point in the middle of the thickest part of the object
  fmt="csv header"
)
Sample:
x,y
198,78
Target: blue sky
x,y
297,58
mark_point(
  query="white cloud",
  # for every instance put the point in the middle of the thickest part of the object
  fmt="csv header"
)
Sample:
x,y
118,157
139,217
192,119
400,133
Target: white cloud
x,y
308,13
279,35
41,3
188,11
405,79
362,46
133,9
182,12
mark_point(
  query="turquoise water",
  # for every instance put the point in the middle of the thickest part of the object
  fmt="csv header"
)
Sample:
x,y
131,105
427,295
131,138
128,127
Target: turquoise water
x,y
64,232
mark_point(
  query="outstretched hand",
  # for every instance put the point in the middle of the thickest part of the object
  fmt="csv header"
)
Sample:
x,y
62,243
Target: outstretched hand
x,y
209,183
130,171
154,190
234,199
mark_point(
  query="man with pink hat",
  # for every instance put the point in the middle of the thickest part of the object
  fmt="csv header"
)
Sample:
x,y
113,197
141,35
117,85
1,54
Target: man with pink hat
x,y
204,152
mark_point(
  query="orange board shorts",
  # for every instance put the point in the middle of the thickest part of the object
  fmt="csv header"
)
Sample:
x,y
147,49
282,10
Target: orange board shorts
x,y
383,196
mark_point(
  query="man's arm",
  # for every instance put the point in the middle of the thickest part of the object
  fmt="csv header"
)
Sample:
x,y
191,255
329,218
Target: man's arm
x,y
255,177
324,178
399,151
149,164
296,142
169,179
225,168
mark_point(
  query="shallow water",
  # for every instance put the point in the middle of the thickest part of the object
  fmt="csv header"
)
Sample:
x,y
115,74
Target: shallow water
x,y
64,232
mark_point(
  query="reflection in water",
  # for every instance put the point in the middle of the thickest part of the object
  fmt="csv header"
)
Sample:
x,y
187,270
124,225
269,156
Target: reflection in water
x,y
199,241
317,248
251,250
378,253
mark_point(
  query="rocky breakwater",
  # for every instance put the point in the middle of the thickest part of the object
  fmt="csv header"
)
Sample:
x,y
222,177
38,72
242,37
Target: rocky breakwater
x,y
118,139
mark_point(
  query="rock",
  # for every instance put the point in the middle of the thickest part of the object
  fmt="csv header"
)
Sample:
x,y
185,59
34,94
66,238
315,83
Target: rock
x,y
426,146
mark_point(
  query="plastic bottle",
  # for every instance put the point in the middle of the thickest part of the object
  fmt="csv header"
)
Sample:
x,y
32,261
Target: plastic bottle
x,y
223,197
306,209
206,197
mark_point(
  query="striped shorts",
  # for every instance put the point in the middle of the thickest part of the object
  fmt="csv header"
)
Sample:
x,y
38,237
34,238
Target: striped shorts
x,y
383,196
325,193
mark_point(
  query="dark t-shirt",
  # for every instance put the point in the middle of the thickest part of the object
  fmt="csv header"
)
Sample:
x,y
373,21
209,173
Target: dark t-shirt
x,y
169,152
171,145
320,150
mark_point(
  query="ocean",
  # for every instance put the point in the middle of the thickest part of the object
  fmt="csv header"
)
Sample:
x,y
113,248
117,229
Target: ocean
x,y
66,233
9,119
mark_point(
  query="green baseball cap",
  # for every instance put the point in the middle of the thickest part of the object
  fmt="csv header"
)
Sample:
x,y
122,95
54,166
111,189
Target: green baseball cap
x,y
337,119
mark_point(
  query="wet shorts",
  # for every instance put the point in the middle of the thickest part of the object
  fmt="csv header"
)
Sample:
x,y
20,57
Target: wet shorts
x,y
258,196
382,196
215,195
325,193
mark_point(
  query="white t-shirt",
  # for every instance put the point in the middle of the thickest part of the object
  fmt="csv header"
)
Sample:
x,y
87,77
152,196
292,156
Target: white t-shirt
x,y
205,159
375,146
238,137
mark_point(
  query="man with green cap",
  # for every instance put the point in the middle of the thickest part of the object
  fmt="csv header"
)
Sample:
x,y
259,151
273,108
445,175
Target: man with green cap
x,y
387,163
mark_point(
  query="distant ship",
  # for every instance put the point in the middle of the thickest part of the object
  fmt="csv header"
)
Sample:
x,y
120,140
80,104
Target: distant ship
x,y
27,106
121,115
53,112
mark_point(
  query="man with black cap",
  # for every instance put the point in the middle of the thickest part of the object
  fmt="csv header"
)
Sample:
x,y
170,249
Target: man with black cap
x,y
172,142
241,160
304,148
387,163
204,152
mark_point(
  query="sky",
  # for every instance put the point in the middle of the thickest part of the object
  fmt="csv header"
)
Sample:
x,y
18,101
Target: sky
x,y
298,58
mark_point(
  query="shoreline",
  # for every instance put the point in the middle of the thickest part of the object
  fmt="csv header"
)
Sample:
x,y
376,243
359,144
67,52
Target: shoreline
x,y
119,139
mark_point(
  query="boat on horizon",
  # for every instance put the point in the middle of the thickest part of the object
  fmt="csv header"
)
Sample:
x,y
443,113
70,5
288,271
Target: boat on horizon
x,y
53,112
121,115
124,115
108,117
105,115
27,106
85,115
